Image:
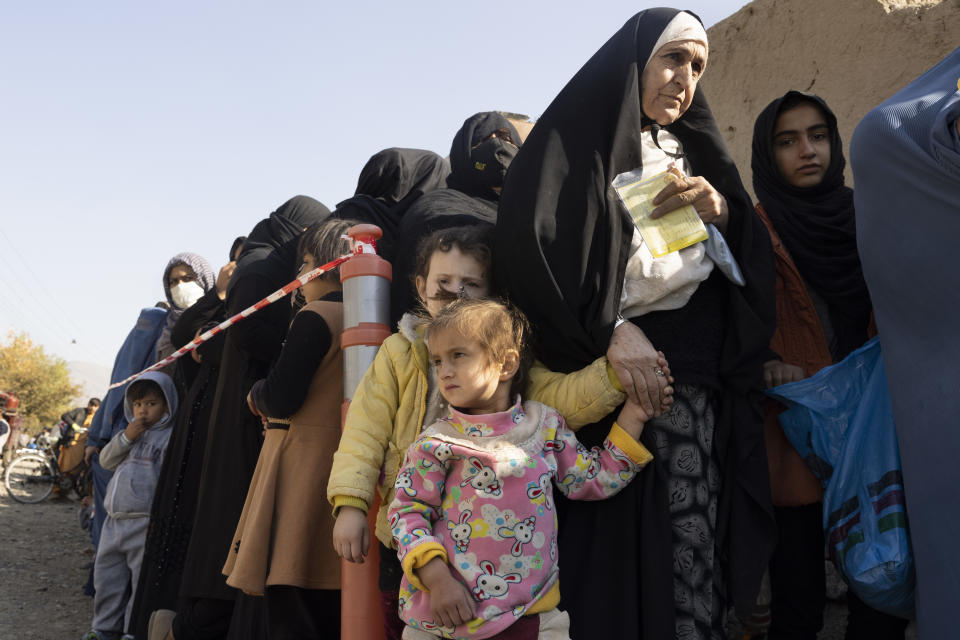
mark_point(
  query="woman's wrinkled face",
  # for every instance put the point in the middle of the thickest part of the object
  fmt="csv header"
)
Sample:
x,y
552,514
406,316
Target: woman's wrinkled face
x,y
670,80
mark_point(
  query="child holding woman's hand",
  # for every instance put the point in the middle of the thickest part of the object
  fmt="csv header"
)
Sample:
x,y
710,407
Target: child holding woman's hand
x,y
400,393
473,513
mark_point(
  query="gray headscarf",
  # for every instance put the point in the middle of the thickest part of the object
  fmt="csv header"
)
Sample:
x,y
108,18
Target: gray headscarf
x,y
206,278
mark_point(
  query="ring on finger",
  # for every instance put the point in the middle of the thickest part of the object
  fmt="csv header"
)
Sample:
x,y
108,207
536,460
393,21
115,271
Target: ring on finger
x,y
659,372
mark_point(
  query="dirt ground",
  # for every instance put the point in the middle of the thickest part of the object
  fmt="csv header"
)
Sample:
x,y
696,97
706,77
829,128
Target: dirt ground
x,y
44,556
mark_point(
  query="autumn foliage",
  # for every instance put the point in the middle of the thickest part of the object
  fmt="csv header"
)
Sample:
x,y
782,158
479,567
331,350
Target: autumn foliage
x,y
41,380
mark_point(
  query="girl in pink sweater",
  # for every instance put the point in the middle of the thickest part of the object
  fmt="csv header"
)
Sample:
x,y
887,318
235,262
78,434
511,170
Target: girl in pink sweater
x,y
473,514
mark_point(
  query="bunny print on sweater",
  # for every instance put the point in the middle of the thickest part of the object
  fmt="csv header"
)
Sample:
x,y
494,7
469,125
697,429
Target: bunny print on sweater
x,y
475,490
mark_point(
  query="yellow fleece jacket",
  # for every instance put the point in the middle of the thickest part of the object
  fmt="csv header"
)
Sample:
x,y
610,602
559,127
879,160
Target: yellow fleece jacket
x,y
387,411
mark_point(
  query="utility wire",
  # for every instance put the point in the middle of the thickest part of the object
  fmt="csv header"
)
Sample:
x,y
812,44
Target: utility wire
x,y
76,331
45,317
49,316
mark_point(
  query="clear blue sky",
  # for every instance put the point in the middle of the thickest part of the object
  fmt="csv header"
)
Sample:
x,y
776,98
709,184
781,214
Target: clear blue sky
x,y
132,131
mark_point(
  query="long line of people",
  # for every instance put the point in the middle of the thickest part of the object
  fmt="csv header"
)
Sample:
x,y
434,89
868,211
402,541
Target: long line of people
x,y
630,380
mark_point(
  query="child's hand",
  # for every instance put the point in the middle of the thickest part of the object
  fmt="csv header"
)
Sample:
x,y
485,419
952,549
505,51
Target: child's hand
x,y
776,373
668,391
135,429
351,534
632,418
451,603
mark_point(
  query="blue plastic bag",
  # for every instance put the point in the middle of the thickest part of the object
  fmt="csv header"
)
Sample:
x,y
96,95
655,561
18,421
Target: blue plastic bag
x,y
841,422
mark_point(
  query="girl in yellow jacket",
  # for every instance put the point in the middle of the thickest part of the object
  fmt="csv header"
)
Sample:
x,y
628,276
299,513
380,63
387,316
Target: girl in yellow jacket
x,y
399,394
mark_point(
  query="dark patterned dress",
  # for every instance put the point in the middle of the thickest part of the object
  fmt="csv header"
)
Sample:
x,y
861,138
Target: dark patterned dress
x,y
684,441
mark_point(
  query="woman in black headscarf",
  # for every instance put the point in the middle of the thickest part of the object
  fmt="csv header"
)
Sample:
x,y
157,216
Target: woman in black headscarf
x,y
698,518
267,262
481,152
812,212
823,313
394,174
389,183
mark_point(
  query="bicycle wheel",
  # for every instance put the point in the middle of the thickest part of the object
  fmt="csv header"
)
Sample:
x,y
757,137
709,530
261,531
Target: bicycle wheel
x,y
29,479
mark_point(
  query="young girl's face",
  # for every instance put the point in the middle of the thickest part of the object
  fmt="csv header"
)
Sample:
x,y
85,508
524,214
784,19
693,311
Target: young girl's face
x,y
454,272
469,378
801,145
318,287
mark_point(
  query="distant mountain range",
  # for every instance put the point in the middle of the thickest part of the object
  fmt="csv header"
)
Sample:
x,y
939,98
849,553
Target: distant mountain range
x,y
93,379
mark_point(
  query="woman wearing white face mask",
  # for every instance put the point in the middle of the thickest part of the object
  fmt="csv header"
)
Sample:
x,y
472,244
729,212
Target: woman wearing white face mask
x,y
147,342
185,280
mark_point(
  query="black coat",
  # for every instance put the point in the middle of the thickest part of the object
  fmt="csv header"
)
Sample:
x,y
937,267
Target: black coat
x,y
75,416
175,500
561,247
234,437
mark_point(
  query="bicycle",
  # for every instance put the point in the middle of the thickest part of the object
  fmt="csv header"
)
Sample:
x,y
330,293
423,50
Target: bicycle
x,y
32,476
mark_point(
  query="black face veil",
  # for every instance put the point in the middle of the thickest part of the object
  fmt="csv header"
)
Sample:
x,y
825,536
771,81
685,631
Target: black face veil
x,y
477,163
561,247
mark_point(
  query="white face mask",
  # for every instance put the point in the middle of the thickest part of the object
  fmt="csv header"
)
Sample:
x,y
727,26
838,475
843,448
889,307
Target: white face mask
x,y
185,294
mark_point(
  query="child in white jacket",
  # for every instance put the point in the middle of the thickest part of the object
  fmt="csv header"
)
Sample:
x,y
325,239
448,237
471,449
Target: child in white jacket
x,y
136,454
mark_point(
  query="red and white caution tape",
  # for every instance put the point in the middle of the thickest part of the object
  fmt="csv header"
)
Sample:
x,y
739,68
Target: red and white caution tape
x,y
360,247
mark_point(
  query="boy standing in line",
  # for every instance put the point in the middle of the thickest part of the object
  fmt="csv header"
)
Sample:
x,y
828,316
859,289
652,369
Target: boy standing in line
x,y
135,455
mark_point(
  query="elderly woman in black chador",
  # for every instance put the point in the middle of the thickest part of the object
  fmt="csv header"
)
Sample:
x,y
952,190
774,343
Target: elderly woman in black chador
x,y
693,532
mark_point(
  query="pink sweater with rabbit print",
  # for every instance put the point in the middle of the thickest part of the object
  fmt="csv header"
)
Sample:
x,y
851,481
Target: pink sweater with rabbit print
x,y
475,490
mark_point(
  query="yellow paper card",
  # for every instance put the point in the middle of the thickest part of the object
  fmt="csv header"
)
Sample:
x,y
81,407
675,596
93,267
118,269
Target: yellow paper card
x,y
672,232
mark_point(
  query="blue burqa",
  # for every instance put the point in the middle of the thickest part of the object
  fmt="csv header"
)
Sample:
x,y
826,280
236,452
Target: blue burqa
x,y
906,165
